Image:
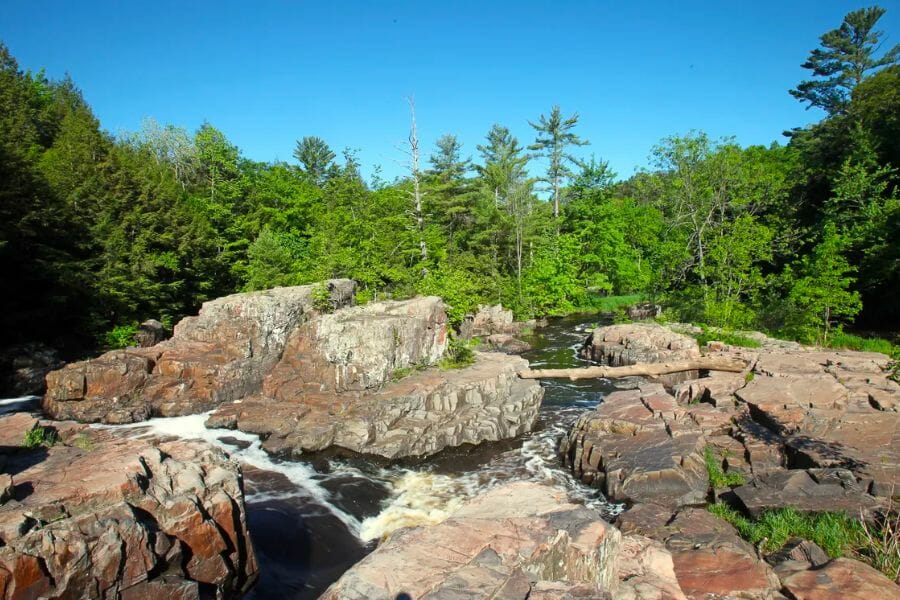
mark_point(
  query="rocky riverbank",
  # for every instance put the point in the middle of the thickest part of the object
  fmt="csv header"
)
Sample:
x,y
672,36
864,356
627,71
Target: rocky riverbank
x,y
103,514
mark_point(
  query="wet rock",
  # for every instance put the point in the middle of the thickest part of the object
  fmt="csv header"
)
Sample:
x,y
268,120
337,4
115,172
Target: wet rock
x,y
840,579
813,490
220,355
121,516
629,344
627,448
512,542
419,415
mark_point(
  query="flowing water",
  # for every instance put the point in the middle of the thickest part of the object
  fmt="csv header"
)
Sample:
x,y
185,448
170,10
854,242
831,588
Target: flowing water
x,y
311,521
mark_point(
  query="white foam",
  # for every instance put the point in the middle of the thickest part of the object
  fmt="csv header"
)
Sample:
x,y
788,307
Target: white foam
x,y
307,480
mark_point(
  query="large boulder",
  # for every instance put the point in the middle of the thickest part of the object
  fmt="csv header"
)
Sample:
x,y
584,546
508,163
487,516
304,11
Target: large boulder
x,y
220,355
519,541
105,514
637,446
633,343
418,415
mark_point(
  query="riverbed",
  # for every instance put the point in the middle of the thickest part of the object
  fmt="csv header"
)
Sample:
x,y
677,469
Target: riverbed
x,y
311,521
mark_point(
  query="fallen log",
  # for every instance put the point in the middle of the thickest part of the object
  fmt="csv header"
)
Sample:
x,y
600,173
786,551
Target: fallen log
x,y
705,363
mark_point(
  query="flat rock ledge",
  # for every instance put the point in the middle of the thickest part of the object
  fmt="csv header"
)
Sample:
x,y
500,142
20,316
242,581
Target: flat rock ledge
x,y
220,355
104,514
419,415
522,540
633,343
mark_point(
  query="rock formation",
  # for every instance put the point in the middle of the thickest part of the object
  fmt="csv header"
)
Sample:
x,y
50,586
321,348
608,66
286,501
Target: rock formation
x,y
522,540
102,514
362,379
629,344
419,415
220,355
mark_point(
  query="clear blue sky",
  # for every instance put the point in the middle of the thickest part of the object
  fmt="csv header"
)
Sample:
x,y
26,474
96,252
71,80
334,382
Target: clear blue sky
x,y
268,73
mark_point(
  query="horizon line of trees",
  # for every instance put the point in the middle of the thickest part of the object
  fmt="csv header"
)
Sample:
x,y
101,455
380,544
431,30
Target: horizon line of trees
x,y
98,231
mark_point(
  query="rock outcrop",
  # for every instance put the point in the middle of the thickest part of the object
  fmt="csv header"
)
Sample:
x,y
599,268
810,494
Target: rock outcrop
x,y
23,369
639,446
419,415
220,355
105,515
519,541
633,343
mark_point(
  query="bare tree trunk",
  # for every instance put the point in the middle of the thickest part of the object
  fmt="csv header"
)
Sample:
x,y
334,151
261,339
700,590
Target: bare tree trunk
x,y
416,177
705,363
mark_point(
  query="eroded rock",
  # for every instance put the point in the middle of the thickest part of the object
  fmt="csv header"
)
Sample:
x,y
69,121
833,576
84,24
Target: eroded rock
x,y
418,415
629,344
220,355
519,541
103,514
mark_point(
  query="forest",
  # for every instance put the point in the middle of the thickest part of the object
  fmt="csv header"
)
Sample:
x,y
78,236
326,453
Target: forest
x,y
99,231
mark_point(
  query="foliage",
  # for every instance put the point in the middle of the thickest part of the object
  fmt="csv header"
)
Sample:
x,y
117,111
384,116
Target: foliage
x,y
121,336
321,298
460,353
717,477
848,341
97,231
836,533
846,55
726,337
39,436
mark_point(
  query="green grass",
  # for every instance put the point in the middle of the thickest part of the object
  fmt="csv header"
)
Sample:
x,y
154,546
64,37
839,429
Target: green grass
x,y
611,303
40,436
848,341
717,477
726,337
835,532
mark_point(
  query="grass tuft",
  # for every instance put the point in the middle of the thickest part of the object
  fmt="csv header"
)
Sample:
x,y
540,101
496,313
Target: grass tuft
x,y
726,337
40,436
717,477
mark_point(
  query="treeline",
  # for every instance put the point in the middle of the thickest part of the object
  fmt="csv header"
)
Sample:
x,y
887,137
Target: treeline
x,y
98,231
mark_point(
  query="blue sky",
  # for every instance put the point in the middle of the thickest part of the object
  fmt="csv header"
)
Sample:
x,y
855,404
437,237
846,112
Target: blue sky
x,y
269,73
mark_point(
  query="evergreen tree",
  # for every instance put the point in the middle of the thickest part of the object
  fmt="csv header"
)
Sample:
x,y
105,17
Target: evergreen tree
x,y
846,56
554,136
316,159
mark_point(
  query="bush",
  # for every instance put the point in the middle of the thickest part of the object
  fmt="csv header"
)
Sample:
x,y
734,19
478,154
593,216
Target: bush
x,y
459,354
120,336
321,298
726,337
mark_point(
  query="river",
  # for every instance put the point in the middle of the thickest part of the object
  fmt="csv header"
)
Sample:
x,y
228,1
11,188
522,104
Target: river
x,y
311,521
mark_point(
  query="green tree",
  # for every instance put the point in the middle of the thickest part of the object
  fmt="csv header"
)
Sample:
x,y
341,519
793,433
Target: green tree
x,y
821,294
316,159
554,137
846,55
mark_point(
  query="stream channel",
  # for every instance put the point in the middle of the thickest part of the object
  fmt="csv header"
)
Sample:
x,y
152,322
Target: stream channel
x,y
311,521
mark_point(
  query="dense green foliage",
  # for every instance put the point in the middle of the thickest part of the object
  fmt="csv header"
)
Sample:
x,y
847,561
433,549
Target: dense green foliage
x,y
98,232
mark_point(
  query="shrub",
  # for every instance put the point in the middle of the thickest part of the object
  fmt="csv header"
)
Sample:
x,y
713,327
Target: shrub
x,y
40,436
726,337
459,354
321,298
120,336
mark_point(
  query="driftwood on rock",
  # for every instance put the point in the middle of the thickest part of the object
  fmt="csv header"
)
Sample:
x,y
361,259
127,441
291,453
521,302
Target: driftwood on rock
x,y
705,363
